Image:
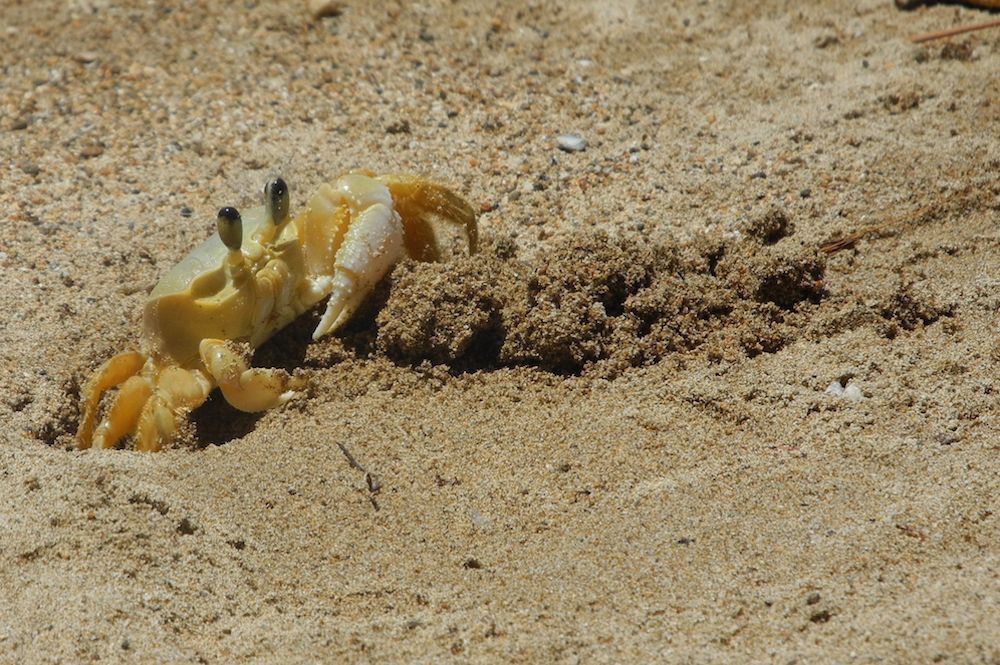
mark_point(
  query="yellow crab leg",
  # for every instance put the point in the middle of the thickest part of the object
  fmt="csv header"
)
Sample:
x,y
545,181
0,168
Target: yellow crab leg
x,y
156,424
124,412
112,373
421,203
178,391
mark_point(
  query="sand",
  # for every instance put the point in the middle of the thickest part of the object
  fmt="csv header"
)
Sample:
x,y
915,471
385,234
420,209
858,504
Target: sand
x,y
607,437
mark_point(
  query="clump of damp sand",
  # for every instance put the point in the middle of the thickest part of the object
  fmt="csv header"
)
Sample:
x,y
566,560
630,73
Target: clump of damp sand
x,y
601,304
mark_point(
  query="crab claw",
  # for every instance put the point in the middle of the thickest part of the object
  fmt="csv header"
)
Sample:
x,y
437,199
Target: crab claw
x,y
372,244
356,229
245,388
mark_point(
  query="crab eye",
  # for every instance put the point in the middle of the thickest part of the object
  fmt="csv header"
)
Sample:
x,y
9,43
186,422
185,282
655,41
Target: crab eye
x,y
230,227
276,200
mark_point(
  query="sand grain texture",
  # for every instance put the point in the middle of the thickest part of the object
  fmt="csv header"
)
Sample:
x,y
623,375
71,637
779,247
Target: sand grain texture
x,y
605,438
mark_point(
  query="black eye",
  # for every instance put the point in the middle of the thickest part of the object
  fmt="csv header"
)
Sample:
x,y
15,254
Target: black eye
x,y
276,200
230,227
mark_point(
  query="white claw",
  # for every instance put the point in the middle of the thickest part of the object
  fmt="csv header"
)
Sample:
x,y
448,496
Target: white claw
x,y
340,295
373,243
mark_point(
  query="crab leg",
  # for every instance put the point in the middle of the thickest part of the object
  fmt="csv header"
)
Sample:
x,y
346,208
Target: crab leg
x,y
112,373
422,202
245,388
178,391
156,424
124,412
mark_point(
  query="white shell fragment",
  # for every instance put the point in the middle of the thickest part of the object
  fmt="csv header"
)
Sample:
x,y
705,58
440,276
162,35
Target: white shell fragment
x,y
834,389
571,143
853,394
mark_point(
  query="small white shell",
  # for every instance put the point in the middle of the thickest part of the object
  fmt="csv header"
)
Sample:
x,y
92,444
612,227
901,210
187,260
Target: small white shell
x,y
853,394
834,389
571,142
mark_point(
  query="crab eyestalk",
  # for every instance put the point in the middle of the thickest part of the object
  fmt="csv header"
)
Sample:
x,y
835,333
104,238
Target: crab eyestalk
x,y
230,227
276,201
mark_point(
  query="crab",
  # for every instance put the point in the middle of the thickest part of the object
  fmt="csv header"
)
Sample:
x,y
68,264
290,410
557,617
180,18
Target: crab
x,y
242,285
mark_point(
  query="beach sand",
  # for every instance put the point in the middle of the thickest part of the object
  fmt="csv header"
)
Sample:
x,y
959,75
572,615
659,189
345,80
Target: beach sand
x,y
606,437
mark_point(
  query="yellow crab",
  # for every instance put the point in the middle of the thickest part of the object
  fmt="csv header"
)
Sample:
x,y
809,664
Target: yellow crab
x,y
240,287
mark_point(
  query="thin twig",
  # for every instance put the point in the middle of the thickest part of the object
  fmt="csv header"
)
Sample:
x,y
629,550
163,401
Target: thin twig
x,y
950,32
957,201
350,458
373,482
832,246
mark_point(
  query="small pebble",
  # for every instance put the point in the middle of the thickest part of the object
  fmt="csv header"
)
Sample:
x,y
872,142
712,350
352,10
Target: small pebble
x,y
571,143
91,150
478,520
947,438
823,41
398,127
325,8
820,617
834,389
186,527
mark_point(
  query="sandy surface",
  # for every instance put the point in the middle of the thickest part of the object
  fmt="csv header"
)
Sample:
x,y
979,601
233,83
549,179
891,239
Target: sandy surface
x,y
606,436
